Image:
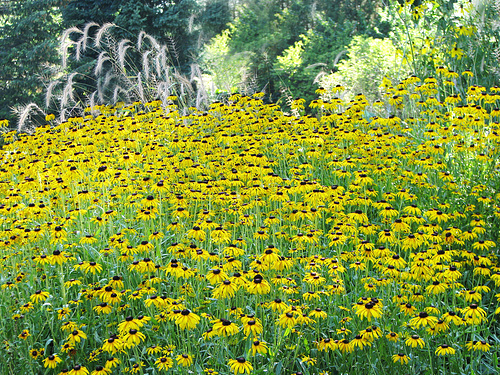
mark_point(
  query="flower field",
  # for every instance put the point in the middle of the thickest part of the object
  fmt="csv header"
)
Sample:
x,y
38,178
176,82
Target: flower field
x,y
247,240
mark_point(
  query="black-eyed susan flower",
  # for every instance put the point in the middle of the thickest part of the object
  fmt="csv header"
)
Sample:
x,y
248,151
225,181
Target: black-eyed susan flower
x,y
209,334
34,353
371,333
103,308
100,370
327,344
27,307
441,326
252,327
345,346
154,349
472,296
258,285
187,320
72,282
400,358
240,366
437,287
184,360
360,342
287,320
369,310
444,349
58,257
278,305
478,345
79,370
210,371
259,347
91,267
226,289
392,336
452,317
216,276
136,368
225,327
51,361
58,235
112,362
39,296
474,314
318,313
164,363
76,336
127,324
415,341
423,319
343,331
133,338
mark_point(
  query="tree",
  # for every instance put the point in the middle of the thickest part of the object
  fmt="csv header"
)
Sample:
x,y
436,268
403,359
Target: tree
x,y
169,21
268,30
28,51
214,18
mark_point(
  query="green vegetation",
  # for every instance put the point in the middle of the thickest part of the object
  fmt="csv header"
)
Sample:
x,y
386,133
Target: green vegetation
x,y
249,187
284,48
244,240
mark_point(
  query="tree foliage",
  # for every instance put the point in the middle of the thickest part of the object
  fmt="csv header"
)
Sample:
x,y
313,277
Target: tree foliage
x,y
282,47
28,51
268,28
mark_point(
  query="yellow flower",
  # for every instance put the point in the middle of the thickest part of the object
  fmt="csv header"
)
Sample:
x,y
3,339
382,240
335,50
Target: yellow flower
x,y
187,320
423,319
392,336
216,276
259,347
240,366
345,346
371,309
52,361
287,320
76,336
414,341
360,341
478,345
444,349
164,363
226,289
133,338
327,345
400,358
252,326
184,360
103,308
91,267
27,307
113,345
474,314
39,296
258,285
99,370
225,327
79,370
318,314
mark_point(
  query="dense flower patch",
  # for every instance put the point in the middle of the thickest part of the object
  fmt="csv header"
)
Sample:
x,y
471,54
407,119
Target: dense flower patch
x,y
245,240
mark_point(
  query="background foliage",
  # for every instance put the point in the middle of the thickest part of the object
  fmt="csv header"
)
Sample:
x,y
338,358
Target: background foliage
x,y
28,46
285,48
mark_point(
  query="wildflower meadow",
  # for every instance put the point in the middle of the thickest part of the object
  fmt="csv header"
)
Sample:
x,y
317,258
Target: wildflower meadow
x,y
358,238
